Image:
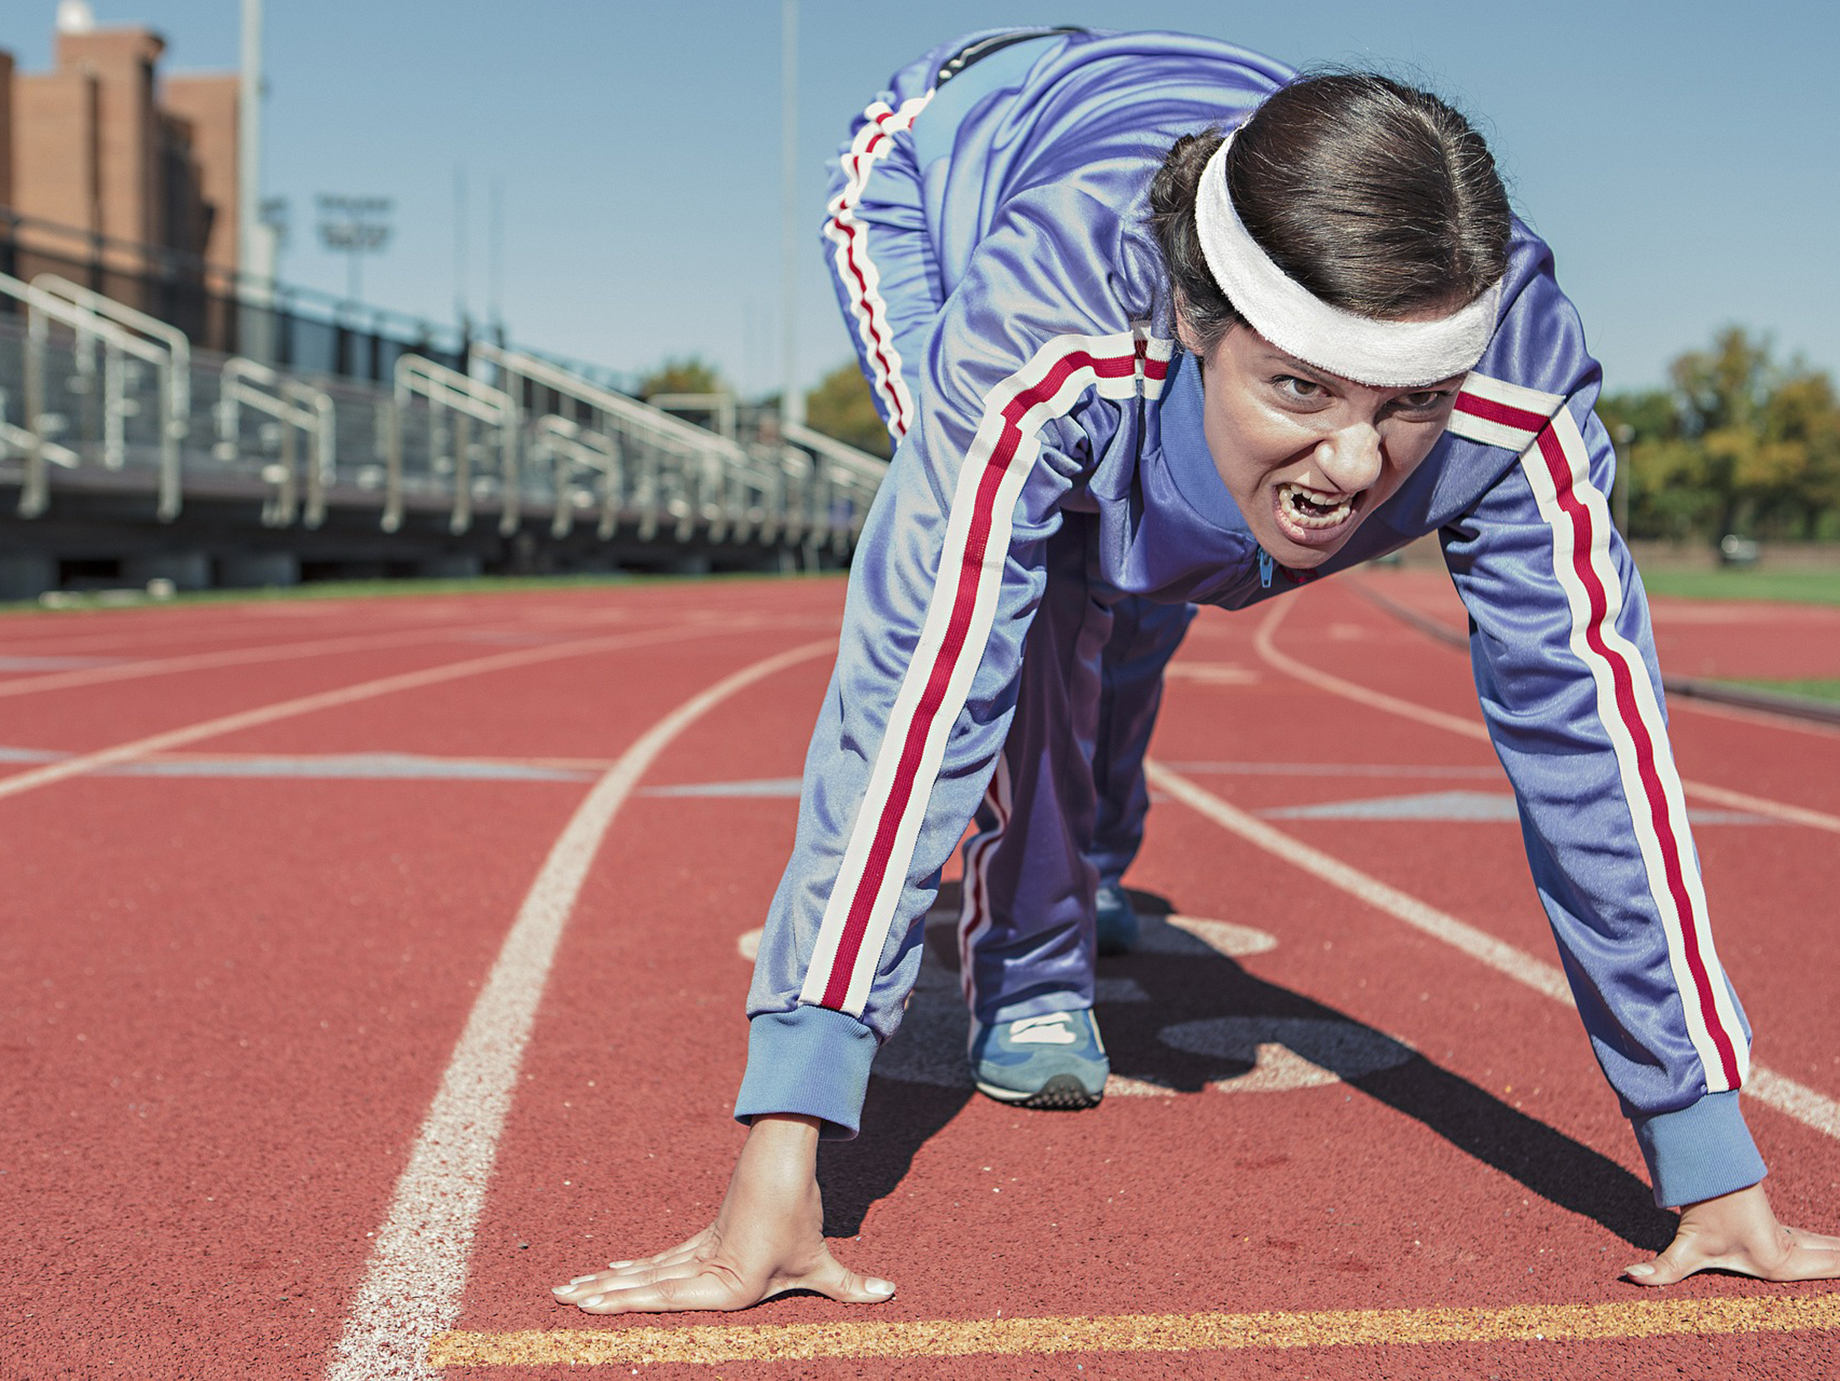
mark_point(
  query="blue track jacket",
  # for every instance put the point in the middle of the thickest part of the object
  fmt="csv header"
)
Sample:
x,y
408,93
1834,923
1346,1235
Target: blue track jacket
x,y
1015,192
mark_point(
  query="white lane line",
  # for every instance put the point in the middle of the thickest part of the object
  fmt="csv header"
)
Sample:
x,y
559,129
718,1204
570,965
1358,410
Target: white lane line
x,y
1764,719
17,662
1335,685
583,769
1794,1099
1334,769
204,661
306,704
769,787
1741,800
60,637
418,1267
1497,954
1469,728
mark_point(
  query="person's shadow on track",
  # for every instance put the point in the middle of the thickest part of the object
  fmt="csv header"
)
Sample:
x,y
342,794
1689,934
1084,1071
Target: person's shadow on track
x,y
1207,1020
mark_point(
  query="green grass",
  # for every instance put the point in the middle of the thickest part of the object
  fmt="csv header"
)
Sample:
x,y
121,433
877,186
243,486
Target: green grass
x,y
1795,587
1808,690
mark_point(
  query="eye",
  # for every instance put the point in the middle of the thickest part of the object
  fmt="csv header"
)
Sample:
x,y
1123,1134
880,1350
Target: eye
x,y
1299,390
1425,400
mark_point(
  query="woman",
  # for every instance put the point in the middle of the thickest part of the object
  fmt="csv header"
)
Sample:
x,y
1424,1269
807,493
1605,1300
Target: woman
x,y
1137,363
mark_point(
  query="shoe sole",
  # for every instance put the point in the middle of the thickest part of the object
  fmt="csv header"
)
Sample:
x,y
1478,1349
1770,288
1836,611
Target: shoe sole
x,y
1062,1093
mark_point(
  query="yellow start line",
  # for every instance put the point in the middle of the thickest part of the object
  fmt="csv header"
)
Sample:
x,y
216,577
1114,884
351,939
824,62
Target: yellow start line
x,y
710,1345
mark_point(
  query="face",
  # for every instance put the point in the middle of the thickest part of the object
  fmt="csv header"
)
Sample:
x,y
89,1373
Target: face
x,y
1306,454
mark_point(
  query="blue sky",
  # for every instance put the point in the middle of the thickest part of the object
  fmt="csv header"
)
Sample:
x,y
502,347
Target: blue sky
x,y
1681,158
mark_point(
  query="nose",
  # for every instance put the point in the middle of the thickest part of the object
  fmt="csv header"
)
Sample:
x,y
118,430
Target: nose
x,y
1349,457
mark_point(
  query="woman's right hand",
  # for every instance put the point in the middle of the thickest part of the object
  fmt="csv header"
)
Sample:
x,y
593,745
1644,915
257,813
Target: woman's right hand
x,y
767,1238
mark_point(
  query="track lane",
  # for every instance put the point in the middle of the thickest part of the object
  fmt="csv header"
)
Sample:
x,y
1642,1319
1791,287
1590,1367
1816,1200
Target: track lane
x,y
1758,865
418,1269
1471,727
1770,962
1802,641
1311,1187
259,716
1778,1090
199,629
204,628
213,661
1309,1193
97,717
278,944
217,1031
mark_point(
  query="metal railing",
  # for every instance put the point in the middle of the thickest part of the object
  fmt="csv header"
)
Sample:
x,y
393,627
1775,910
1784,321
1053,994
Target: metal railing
x,y
805,489
677,471
849,479
299,411
104,413
452,402
569,448
179,378
107,396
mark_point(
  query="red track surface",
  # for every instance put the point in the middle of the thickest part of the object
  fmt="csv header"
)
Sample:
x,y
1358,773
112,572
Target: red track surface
x,y
226,1003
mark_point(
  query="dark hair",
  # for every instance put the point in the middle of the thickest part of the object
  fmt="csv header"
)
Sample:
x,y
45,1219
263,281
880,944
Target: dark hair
x,y
1377,197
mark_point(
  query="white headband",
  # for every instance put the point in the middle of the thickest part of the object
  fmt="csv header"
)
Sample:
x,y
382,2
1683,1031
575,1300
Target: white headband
x,y
1385,354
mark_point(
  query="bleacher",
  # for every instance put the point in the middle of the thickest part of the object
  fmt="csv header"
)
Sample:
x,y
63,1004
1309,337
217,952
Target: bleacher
x,y
129,453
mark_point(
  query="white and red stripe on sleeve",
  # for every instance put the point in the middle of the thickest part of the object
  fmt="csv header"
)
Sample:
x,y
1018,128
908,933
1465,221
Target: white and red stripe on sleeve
x,y
1498,413
1557,466
856,268
960,612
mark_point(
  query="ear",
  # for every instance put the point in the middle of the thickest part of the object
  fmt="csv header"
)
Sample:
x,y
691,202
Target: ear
x,y
1185,334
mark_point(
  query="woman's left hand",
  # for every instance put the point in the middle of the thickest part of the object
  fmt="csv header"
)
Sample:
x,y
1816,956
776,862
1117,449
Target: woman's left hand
x,y
1739,1232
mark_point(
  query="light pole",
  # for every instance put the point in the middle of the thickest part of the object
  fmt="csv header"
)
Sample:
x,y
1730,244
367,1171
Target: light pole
x,y
1621,436
353,226
272,216
256,245
792,404
249,146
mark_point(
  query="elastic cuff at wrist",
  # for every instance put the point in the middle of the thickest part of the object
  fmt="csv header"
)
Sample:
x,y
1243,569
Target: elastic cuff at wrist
x,y
1698,1152
813,1061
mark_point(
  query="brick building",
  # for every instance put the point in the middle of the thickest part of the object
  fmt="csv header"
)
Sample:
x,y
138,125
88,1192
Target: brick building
x,y
104,158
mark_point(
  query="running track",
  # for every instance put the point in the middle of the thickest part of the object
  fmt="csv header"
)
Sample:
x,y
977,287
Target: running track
x,y
369,966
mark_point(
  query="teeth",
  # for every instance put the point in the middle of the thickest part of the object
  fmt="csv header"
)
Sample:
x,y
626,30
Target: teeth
x,y
1310,508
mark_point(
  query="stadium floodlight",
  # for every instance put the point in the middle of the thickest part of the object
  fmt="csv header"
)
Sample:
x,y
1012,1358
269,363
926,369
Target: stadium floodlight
x,y
354,226
273,214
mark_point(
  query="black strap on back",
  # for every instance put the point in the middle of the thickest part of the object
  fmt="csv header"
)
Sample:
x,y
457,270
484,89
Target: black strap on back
x,y
984,47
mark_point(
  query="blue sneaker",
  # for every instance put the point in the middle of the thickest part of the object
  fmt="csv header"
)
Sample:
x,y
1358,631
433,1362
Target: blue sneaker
x,y
1117,919
1052,1061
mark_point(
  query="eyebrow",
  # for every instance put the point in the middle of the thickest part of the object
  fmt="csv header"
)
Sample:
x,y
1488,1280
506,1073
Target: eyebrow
x,y
1274,356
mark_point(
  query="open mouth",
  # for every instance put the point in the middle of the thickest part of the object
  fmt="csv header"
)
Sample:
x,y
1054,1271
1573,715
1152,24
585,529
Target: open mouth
x,y
1314,511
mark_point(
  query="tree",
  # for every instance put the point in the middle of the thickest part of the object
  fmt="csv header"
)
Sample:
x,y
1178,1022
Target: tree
x,y
1736,443
1670,492
690,375
841,406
